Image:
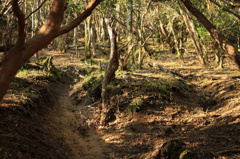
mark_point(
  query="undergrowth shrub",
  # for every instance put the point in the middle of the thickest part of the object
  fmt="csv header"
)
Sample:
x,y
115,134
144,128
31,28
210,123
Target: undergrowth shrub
x,y
134,105
89,88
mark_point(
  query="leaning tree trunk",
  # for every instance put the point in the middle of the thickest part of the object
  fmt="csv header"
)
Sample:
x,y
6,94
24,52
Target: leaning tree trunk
x,y
110,71
194,36
22,51
216,35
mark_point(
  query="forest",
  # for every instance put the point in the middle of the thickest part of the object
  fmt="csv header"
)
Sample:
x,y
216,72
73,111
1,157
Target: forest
x,y
127,79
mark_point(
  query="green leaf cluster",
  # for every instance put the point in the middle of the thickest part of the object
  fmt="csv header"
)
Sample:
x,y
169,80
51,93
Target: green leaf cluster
x,y
135,105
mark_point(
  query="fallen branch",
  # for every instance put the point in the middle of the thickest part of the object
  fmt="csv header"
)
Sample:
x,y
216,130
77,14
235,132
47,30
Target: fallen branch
x,y
229,151
168,71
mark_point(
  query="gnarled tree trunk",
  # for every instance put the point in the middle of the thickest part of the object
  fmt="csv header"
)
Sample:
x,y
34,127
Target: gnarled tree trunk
x,y
110,71
216,35
22,51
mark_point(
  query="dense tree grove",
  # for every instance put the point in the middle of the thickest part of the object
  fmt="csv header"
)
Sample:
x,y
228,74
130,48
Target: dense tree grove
x,y
143,79
143,28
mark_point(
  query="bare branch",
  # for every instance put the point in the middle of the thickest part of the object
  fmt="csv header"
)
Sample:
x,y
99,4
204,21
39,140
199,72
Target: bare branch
x,y
225,9
14,26
235,22
117,19
124,45
235,4
8,6
84,14
148,6
5,5
36,9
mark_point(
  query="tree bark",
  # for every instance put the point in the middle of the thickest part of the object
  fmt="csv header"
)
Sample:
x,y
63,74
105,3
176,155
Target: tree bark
x,y
194,36
110,71
216,35
84,14
22,51
88,51
167,35
130,30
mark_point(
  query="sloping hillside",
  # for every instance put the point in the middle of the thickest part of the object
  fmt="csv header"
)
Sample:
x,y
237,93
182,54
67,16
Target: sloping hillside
x,y
165,102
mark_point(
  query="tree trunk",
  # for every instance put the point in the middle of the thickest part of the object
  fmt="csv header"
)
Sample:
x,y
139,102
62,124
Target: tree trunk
x,y
238,36
124,61
22,51
88,51
219,56
110,71
75,38
167,34
75,41
130,30
176,41
194,36
142,39
19,54
216,35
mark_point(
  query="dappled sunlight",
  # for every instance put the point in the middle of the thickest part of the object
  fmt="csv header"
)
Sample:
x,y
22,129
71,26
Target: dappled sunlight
x,y
114,138
171,91
152,107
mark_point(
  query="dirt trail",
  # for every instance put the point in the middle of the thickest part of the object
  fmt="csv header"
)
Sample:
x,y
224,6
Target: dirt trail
x,y
75,126
201,111
185,117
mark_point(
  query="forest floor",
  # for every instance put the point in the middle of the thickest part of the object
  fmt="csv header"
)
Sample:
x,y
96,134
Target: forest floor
x,y
165,101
